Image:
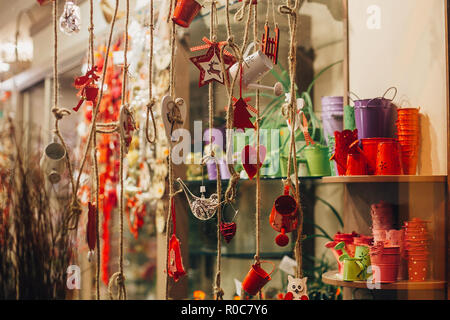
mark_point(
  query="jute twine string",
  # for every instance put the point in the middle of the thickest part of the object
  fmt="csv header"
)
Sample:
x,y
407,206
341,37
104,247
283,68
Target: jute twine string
x,y
239,16
110,131
291,12
151,100
218,291
258,160
170,164
118,278
91,62
59,114
271,5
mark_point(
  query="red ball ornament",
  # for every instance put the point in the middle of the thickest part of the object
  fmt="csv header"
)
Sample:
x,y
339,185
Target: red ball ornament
x,y
282,240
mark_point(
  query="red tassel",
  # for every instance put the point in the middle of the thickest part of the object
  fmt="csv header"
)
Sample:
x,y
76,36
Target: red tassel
x,y
91,229
109,202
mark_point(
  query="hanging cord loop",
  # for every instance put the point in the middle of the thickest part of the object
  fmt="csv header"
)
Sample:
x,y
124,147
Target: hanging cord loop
x,y
239,16
117,280
151,100
150,106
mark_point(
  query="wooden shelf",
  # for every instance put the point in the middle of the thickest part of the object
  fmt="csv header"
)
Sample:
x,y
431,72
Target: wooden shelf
x,y
332,278
384,179
243,255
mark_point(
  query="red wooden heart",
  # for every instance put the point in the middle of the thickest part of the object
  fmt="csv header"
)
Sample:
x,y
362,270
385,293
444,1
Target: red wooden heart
x,y
249,159
228,230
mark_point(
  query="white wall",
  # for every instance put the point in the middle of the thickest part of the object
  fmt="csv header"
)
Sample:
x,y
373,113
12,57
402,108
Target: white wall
x,y
409,52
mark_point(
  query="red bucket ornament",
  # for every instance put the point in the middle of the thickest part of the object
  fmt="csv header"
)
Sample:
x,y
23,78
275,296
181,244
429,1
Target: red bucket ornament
x,y
185,11
256,278
175,262
283,217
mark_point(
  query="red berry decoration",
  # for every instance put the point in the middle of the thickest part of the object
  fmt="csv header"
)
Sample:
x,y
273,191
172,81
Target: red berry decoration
x,y
282,240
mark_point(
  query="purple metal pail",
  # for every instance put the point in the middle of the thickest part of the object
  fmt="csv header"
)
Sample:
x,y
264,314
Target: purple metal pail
x,y
332,115
373,118
212,170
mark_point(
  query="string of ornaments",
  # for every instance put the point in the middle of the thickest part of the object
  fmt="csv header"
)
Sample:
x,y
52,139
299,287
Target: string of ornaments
x,y
219,65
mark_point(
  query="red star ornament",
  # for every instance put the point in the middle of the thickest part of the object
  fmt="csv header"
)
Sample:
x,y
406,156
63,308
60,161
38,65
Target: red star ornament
x,y
209,65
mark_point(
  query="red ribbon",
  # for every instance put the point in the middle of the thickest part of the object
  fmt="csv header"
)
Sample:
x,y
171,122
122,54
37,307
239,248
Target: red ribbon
x,y
210,43
174,217
308,138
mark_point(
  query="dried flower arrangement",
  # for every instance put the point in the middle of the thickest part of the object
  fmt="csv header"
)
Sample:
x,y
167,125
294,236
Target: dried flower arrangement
x,y
34,245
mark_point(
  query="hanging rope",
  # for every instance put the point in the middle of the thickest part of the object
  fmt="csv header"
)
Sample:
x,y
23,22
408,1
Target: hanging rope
x,y
59,113
271,5
91,63
258,160
291,12
239,16
118,278
151,100
218,291
170,165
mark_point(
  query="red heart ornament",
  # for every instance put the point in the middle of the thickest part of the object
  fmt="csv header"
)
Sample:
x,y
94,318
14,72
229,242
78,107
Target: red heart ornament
x,y
228,230
249,159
